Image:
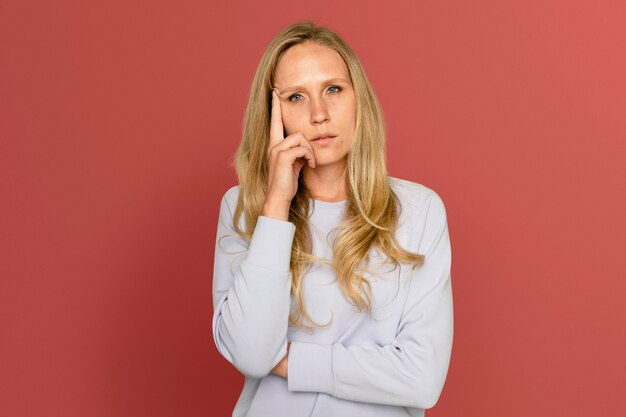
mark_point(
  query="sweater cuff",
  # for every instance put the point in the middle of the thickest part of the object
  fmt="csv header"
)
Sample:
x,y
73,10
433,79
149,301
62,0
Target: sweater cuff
x,y
310,368
270,245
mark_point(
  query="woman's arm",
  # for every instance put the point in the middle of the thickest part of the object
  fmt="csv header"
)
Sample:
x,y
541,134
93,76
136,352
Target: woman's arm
x,y
251,291
282,367
412,369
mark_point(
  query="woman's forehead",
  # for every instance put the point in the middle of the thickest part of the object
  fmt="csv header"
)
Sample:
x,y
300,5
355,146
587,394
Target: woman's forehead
x,y
309,64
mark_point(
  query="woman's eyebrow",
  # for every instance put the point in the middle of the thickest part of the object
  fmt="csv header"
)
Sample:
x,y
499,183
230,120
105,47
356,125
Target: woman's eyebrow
x,y
301,87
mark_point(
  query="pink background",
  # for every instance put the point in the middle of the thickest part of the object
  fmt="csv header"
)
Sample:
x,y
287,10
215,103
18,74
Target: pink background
x,y
118,121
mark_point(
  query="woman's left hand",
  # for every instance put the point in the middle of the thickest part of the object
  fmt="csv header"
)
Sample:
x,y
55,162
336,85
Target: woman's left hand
x,y
281,368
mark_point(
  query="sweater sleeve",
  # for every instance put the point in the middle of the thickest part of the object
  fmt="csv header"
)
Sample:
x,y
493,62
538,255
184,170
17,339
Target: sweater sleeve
x,y
412,369
251,292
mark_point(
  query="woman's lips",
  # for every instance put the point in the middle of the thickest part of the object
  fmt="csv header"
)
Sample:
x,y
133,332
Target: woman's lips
x,y
324,141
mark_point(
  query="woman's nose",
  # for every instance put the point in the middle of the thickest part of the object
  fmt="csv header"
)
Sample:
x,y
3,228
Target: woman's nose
x,y
319,111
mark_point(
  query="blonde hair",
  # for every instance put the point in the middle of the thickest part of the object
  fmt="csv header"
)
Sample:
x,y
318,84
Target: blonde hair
x,y
372,209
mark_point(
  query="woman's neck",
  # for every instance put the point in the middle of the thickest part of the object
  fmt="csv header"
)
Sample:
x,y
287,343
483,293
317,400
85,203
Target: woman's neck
x,y
326,183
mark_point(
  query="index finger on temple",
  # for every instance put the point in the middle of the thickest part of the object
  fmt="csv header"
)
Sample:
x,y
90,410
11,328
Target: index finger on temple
x,y
276,121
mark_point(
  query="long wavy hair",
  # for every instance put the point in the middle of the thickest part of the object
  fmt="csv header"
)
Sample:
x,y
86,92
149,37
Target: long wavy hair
x,y
372,209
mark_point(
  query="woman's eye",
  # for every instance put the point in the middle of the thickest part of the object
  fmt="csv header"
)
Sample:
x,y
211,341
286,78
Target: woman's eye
x,y
294,97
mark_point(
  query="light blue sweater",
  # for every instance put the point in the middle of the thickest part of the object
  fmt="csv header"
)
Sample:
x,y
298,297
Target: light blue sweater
x,y
391,363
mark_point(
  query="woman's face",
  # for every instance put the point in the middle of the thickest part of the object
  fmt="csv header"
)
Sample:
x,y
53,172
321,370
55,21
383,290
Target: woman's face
x,y
317,97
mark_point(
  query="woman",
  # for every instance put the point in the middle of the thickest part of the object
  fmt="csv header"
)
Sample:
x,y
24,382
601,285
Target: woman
x,y
331,288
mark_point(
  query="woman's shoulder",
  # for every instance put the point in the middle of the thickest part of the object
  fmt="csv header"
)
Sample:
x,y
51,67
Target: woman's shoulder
x,y
420,206
228,204
413,193
230,195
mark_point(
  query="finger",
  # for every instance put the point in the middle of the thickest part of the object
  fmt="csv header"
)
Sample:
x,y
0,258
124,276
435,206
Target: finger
x,y
298,164
292,154
276,121
294,141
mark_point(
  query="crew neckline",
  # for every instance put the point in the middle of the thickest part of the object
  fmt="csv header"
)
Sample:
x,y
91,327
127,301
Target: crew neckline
x,y
332,203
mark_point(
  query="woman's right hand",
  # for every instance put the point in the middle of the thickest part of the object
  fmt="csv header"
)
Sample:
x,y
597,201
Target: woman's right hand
x,y
286,157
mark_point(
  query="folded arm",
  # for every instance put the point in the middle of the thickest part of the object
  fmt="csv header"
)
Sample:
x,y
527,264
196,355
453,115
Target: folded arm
x,y
251,293
412,369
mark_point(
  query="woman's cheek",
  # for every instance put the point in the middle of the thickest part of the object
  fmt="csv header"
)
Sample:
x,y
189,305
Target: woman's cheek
x,y
292,120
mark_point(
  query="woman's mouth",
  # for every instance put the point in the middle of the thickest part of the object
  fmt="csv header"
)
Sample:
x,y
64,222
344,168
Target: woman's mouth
x,y
323,139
